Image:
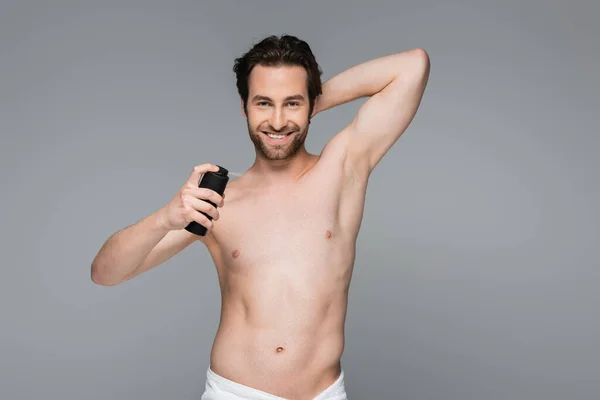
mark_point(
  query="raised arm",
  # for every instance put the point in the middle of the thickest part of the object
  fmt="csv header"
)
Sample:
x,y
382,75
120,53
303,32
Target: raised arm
x,y
396,84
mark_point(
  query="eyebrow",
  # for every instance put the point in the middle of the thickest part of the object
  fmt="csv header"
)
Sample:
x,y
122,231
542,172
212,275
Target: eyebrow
x,y
265,98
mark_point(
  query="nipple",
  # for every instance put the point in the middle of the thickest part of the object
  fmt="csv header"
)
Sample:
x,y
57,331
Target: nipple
x,y
236,253
328,234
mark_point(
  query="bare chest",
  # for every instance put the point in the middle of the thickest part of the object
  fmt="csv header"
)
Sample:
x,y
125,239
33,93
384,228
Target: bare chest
x,y
280,228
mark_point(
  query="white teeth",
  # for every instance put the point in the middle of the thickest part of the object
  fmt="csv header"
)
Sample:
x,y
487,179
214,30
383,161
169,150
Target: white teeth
x,y
276,136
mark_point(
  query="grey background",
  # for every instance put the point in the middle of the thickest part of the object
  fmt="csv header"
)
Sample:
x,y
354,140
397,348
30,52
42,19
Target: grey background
x,y
477,270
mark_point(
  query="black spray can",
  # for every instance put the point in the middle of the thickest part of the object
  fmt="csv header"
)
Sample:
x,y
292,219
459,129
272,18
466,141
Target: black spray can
x,y
216,181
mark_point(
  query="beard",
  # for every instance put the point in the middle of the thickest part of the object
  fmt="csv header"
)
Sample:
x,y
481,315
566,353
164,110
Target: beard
x,y
278,152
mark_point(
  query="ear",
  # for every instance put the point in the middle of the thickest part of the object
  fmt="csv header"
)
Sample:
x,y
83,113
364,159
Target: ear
x,y
315,107
242,105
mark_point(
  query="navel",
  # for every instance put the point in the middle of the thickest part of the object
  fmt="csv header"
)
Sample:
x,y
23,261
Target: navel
x,y
280,349
236,253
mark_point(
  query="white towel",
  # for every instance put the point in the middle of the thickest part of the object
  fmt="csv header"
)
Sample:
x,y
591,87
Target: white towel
x,y
220,388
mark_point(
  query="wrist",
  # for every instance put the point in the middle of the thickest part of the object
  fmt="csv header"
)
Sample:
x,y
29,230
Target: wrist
x,y
161,221
321,103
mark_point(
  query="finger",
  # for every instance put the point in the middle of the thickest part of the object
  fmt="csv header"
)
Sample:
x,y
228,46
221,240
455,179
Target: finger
x,y
201,205
199,170
208,194
201,219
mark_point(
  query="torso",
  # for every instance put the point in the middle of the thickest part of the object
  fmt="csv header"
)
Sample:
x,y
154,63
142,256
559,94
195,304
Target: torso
x,y
284,258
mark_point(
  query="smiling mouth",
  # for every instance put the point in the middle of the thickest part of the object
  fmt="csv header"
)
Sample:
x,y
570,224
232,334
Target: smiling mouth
x,y
275,136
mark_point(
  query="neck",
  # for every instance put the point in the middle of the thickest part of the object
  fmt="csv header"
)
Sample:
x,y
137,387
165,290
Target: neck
x,y
277,172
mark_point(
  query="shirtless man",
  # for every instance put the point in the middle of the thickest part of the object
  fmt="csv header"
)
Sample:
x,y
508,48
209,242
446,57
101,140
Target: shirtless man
x,y
283,242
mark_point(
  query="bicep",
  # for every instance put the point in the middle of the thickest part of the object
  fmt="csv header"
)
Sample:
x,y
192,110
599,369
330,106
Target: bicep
x,y
384,117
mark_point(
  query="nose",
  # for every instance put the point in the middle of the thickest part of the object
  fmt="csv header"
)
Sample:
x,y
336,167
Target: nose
x,y
278,120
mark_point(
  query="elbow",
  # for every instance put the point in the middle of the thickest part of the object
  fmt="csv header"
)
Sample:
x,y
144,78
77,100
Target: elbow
x,y
420,61
420,55
416,67
100,276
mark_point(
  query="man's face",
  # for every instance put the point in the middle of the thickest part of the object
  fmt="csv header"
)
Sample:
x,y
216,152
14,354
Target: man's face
x,y
278,105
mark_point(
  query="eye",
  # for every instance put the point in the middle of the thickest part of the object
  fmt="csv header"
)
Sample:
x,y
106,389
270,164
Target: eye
x,y
262,103
293,103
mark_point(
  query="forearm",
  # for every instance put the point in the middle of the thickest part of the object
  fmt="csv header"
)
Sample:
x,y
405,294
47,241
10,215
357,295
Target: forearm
x,y
365,79
125,250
